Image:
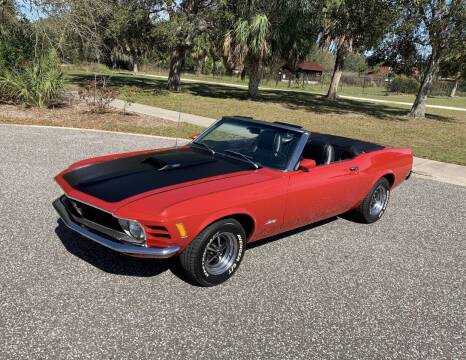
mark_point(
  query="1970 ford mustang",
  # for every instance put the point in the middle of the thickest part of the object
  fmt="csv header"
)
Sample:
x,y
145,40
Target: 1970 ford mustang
x,y
239,181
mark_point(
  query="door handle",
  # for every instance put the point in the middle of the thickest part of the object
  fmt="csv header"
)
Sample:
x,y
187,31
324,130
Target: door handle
x,y
354,169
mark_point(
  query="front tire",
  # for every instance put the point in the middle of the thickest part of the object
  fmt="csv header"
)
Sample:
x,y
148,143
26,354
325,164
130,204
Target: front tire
x,y
215,254
374,204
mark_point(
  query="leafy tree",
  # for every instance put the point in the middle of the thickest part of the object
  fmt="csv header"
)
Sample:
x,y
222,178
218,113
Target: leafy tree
x,y
353,25
296,32
325,58
129,30
8,16
75,28
16,37
163,40
428,33
29,71
192,18
440,25
355,63
454,66
401,53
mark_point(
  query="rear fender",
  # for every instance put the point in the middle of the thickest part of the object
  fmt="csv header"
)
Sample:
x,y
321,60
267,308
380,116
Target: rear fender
x,y
381,174
397,162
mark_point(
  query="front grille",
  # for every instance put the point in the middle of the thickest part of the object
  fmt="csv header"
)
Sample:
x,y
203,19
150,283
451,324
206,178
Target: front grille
x,y
81,210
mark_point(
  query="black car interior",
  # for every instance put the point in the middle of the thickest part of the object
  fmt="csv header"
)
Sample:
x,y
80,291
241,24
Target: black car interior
x,y
326,149
272,146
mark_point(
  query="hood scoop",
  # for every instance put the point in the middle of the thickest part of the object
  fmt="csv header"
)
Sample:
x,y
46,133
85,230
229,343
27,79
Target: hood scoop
x,y
162,163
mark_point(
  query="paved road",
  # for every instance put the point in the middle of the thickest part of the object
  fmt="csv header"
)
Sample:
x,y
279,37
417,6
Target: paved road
x,y
395,289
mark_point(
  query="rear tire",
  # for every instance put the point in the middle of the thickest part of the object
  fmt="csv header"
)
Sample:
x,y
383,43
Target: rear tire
x,y
374,204
215,254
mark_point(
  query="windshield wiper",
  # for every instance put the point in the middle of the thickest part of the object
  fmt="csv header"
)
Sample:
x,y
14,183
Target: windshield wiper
x,y
243,157
205,146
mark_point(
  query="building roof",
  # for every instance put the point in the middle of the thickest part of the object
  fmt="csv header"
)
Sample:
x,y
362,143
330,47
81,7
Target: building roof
x,y
310,66
306,66
383,70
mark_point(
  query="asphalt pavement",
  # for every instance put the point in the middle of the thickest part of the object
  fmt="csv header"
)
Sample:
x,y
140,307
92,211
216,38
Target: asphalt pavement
x,y
395,289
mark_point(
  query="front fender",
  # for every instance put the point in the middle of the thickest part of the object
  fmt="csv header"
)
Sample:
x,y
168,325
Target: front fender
x,y
224,214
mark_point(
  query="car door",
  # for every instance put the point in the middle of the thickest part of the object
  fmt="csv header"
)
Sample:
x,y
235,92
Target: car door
x,y
323,192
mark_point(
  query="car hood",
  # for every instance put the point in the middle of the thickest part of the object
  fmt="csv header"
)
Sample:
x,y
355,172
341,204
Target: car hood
x,y
122,179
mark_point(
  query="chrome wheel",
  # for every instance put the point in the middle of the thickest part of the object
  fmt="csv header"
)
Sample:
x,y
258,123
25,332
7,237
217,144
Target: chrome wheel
x,y
378,201
220,253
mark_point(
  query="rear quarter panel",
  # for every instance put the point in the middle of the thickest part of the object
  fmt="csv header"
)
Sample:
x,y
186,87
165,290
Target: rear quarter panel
x,y
397,162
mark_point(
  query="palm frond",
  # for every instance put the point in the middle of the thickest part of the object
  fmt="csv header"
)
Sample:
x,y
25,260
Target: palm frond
x,y
37,83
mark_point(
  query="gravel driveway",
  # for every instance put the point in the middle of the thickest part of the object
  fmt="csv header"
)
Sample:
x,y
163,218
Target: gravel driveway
x,y
392,290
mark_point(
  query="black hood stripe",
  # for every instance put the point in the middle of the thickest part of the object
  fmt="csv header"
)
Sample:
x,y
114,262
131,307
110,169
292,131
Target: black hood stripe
x,y
120,179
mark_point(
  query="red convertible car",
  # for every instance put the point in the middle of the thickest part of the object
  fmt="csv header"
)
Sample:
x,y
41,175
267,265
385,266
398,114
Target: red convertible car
x,y
239,181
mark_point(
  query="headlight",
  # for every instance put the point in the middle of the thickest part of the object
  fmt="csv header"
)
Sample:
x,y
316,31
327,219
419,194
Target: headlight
x,y
133,229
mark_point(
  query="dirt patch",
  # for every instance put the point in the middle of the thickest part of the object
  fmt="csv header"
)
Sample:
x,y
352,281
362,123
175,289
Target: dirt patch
x,y
78,114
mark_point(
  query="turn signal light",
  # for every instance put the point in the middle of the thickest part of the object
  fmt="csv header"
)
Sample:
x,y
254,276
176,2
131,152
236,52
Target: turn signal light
x,y
182,230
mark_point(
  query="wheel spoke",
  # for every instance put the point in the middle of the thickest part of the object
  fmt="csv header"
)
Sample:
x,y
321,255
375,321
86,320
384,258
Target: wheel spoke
x,y
378,200
212,247
221,253
222,247
212,259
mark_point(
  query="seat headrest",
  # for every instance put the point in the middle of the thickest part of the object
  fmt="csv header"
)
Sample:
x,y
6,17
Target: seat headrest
x,y
328,154
323,153
269,140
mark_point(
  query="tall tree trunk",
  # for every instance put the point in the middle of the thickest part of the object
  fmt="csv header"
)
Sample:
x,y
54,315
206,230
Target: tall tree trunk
x,y
419,106
455,84
243,73
135,66
176,65
228,67
254,78
337,71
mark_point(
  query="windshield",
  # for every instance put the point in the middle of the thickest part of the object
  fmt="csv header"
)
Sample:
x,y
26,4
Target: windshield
x,y
262,144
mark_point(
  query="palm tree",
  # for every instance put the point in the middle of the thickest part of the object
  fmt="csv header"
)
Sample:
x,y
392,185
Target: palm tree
x,y
268,32
249,44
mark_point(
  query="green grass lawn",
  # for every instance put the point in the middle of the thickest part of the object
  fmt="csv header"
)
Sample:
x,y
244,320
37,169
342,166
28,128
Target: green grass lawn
x,y
441,136
371,92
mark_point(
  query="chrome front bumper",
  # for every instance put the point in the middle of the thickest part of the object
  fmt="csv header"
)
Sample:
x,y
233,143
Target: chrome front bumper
x,y
127,249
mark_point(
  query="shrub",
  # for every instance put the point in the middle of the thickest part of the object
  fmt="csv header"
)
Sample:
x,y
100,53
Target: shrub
x,y
36,83
98,95
405,85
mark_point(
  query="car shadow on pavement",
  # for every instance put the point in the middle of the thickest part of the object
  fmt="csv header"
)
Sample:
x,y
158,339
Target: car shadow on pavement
x,y
106,259
113,262
119,264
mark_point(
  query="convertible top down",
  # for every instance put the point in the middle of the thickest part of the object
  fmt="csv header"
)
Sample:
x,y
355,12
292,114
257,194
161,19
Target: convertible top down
x,y
239,181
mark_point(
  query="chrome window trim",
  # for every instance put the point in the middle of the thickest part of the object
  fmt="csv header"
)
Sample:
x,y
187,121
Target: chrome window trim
x,y
293,162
